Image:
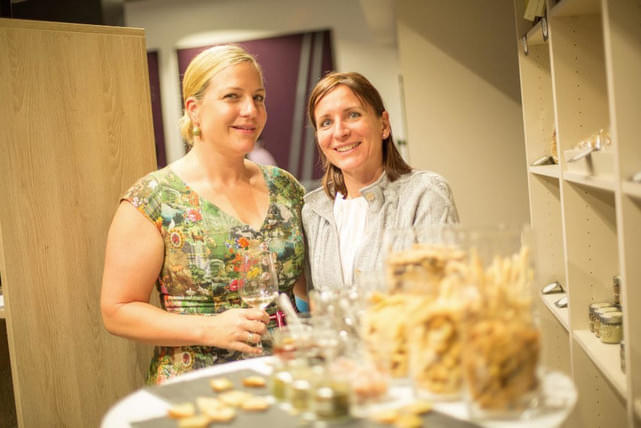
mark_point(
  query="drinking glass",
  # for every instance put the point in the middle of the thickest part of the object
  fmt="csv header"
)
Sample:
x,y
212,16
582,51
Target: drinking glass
x,y
259,285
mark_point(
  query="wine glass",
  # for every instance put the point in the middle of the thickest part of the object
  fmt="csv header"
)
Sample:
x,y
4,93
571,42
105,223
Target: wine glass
x,y
259,285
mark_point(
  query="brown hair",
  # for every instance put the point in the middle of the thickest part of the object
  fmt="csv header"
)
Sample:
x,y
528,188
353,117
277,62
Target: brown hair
x,y
393,162
199,73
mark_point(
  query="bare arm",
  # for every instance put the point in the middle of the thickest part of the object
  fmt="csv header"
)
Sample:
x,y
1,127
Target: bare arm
x,y
133,260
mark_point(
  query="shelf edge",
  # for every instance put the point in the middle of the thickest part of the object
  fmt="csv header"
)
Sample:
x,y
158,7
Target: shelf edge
x,y
632,189
546,170
561,314
594,182
603,356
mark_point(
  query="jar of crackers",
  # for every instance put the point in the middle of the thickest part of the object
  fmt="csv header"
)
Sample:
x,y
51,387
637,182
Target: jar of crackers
x,y
418,317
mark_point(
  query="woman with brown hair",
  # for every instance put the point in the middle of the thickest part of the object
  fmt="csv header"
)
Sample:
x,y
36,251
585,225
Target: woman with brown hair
x,y
367,186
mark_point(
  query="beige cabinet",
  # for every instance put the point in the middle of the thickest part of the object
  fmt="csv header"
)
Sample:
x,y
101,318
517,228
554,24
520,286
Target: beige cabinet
x,y
75,132
580,72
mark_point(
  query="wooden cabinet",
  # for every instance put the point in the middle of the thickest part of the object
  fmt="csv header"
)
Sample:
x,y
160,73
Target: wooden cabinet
x,y
580,72
76,131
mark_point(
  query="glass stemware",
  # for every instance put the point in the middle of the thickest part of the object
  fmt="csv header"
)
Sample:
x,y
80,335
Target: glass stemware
x,y
259,285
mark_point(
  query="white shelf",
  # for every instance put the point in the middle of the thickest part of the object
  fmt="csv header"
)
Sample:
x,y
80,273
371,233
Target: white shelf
x,y
546,170
631,188
560,314
576,7
605,356
597,182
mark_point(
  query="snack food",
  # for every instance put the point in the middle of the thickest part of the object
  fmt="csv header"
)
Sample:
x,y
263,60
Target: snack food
x,y
221,414
198,421
418,407
181,410
502,345
435,348
254,381
234,398
208,403
420,267
220,384
387,416
255,404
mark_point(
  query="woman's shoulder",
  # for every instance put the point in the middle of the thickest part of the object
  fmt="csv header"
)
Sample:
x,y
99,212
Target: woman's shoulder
x,y
421,181
151,181
283,180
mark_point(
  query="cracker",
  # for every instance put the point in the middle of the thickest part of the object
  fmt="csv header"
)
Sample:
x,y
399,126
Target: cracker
x,y
388,416
199,421
254,381
220,384
234,398
418,407
255,404
221,414
181,410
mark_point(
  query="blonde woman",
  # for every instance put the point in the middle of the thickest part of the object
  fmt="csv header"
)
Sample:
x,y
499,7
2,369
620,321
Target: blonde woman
x,y
183,228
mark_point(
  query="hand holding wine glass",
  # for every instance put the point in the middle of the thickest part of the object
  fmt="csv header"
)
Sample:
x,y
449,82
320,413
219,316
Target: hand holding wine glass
x,y
259,286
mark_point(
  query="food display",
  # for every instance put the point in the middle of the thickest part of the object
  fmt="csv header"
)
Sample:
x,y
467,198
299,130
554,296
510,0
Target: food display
x,y
435,349
220,408
501,346
418,318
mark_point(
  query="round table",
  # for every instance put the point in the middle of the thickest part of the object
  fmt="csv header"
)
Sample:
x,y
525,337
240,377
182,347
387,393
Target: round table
x,y
558,399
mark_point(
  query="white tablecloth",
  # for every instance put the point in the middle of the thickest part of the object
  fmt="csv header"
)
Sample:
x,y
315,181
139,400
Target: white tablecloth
x,y
558,390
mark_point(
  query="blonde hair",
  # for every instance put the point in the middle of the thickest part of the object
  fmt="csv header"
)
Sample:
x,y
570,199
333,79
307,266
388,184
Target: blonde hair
x,y
200,72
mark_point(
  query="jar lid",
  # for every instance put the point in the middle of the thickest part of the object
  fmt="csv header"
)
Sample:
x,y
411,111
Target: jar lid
x,y
594,306
611,318
605,309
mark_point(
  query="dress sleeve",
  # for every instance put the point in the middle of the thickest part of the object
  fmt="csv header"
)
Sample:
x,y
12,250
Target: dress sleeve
x,y
145,196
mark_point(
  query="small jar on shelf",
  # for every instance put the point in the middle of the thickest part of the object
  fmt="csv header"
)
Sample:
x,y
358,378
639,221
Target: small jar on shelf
x,y
592,313
611,327
616,288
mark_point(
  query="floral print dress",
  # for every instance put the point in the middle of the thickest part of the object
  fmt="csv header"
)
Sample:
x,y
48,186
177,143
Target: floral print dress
x,y
203,248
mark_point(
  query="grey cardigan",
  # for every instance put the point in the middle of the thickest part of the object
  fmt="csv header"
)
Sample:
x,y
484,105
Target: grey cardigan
x,y
419,197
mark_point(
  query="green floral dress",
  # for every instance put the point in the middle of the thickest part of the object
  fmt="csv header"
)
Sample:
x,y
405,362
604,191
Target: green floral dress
x,y
203,246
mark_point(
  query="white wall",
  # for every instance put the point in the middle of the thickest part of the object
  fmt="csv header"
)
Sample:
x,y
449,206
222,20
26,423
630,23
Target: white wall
x,y
363,40
458,60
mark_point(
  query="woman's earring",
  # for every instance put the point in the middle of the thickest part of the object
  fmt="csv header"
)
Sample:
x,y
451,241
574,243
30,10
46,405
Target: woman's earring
x,y
196,131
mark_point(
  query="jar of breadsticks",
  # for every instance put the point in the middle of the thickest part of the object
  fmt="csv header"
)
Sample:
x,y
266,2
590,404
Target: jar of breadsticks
x,y
501,340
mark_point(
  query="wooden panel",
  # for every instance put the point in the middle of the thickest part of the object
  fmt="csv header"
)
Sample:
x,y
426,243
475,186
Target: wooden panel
x,y
591,245
77,131
579,78
622,29
599,403
538,107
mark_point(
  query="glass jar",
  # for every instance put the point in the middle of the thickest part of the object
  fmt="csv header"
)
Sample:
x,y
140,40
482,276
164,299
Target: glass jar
x,y
501,341
597,318
611,327
592,315
330,399
616,288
